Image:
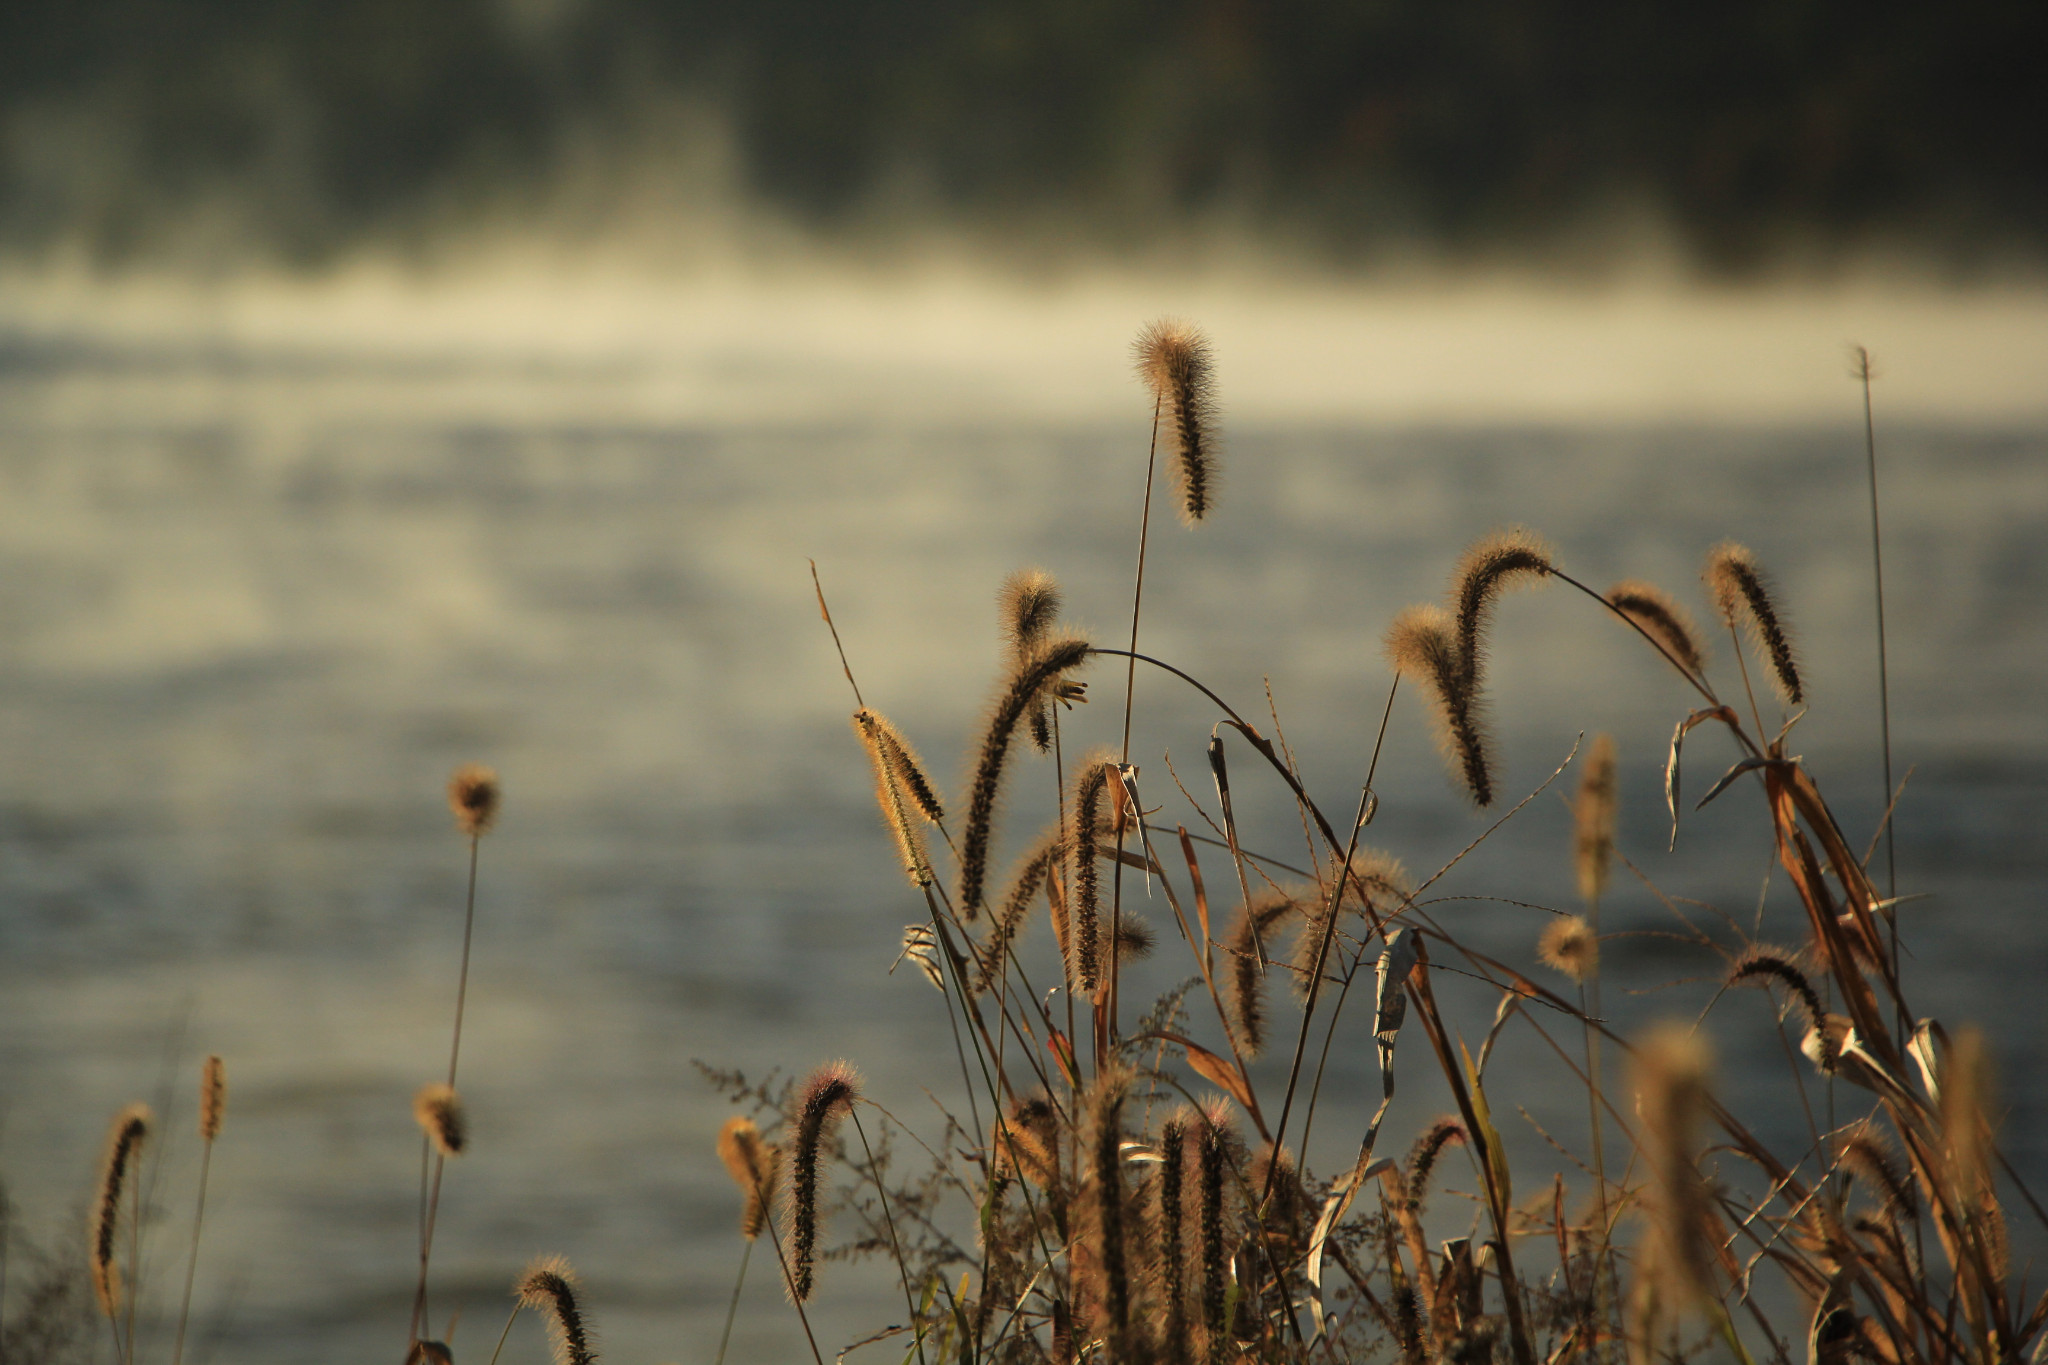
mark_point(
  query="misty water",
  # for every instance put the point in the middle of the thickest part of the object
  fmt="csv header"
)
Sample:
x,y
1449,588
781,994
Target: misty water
x,y
257,601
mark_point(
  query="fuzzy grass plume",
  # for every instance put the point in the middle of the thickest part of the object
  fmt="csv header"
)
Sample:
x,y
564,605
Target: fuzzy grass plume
x,y
438,1111
125,1138
1094,778
213,1098
1174,361
898,782
1246,996
1038,864
1742,595
1570,946
1663,620
828,1096
755,1167
1420,644
1760,963
549,1287
473,796
1027,681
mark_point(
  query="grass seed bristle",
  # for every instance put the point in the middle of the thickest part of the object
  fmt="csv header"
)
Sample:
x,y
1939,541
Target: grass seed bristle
x,y
1422,1158
1106,1107
1026,881
1093,779
1175,363
1660,616
1742,595
1246,995
549,1287
125,1138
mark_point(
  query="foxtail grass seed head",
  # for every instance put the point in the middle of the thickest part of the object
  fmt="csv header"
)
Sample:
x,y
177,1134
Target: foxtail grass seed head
x,y
549,1287
1025,685
1761,963
1742,595
1506,559
438,1110
1420,644
1670,1072
1093,783
828,1096
1663,620
473,796
1422,1158
1173,1149
125,1137
1135,940
754,1166
430,1353
1211,1157
893,797
1174,361
1027,604
1569,945
1593,818
1866,1154
1106,1107
213,1098
1033,871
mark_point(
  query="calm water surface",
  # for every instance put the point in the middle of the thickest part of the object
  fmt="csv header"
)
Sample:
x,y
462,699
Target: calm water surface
x,y
254,608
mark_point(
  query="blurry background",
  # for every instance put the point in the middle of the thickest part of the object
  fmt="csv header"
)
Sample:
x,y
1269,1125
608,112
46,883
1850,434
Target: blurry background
x,y
384,387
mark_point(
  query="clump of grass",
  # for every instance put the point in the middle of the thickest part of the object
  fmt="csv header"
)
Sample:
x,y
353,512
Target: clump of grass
x,y
1144,1199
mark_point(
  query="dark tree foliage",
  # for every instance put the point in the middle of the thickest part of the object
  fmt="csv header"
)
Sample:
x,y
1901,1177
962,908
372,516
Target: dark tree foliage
x,y
1471,123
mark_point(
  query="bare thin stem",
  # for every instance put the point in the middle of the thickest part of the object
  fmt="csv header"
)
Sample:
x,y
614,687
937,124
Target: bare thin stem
x,y
192,1257
1884,689
733,1309
895,1243
826,612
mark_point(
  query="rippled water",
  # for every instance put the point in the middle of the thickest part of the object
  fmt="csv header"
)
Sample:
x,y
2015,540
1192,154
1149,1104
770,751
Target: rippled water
x,y
254,607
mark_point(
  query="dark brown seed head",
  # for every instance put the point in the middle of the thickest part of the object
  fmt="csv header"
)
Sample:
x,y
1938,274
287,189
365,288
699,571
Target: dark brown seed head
x,y
1174,361
1663,620
1093,786
1025,686
1027,605
1761,963
1422,1158
213,1098
828,1096
473,796
125,1137
549,1287
1742,594
430,1353
1501,561
893,796
754,1166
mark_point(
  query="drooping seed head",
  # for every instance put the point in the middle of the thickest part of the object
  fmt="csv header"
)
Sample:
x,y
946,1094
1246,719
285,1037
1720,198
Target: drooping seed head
x,y
1422,1158
1569,945
438,1110
1593,818
828,1096
1663,620
1760,963
755,1167
1027,605
125,1137
1865,1152
1420,644
1742,595
893,796
213,1098
473,796
549,1287
1506,559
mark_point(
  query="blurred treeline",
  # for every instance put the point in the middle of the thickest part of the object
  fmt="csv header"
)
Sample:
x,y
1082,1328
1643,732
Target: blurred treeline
x,y
301,127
